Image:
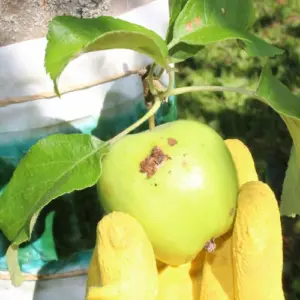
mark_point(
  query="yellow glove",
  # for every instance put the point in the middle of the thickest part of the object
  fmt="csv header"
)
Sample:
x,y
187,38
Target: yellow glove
x,y
246,264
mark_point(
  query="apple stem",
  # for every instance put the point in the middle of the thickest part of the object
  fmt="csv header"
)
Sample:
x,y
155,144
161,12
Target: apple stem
x,y
159,74
189,89
151,81
155,107
153,92
171,84
151,120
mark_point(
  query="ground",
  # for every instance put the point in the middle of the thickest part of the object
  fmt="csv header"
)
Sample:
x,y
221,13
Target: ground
x,y
21,20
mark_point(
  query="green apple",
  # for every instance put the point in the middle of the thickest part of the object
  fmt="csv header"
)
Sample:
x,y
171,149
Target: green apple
x,y
178,180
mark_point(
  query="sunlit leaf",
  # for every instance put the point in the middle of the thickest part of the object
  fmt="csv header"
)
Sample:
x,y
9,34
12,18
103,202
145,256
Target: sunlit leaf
x,y
54,166
203,22
68,37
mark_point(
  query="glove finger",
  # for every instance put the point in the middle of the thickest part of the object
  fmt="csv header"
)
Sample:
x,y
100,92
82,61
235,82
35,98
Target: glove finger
x,y
218,279
107,292
181,282
257,244
243,161
124,258
93,271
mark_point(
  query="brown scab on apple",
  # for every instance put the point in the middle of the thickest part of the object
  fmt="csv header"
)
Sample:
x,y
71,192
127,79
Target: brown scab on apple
x,y
172,142
152,162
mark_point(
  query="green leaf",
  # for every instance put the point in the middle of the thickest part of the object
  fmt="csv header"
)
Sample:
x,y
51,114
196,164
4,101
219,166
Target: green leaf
x,y
54,166
13,265
279,97
211,34
183,51
176,6
294,4
68,37
290,197
202,22
228,13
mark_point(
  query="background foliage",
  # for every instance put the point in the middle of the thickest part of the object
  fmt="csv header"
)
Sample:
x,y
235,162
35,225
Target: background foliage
x,y
257,125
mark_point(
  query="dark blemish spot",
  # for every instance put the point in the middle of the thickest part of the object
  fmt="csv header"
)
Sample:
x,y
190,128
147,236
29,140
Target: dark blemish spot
x,y
152,162
155,184
172,141
232,210
210,246
184,154
170,172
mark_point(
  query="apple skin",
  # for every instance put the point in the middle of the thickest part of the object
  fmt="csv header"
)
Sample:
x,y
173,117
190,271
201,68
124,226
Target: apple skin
x,y
191,198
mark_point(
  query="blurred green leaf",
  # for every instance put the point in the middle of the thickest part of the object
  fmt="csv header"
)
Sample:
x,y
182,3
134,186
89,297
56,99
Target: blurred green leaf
x,y
280,98
290,198
175,7
183,51
13,265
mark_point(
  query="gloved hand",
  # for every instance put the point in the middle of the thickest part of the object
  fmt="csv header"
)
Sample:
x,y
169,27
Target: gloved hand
x,y
245,265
